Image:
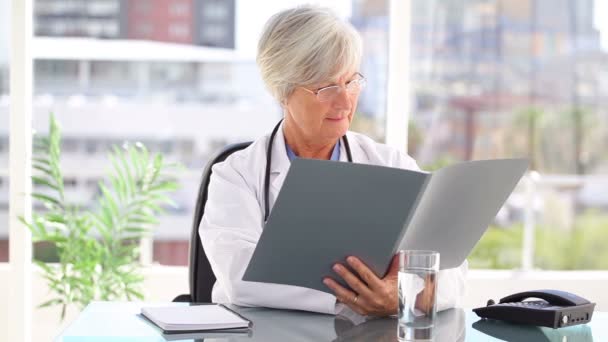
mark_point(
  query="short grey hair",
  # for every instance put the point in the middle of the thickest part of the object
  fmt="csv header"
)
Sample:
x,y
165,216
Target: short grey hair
x,y
306,45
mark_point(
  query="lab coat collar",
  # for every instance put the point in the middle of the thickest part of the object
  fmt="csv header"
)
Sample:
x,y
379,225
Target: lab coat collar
x,y
280,161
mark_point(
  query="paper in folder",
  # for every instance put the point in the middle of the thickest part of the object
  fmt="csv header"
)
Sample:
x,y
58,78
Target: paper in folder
x,y
327,211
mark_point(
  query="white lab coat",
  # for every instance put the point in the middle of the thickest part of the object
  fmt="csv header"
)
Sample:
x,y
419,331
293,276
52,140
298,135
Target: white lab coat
x,y
233,222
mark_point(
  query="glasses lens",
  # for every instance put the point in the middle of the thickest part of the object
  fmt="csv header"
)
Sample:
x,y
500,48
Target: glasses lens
x,y
328,94
355,86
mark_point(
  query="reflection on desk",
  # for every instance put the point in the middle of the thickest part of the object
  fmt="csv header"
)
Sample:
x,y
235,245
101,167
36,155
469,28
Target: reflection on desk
x,y
284,325
111,322
449,327
513,332
207,335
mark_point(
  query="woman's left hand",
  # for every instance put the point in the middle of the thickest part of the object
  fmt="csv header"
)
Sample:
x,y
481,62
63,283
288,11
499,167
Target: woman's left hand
x,y
372,295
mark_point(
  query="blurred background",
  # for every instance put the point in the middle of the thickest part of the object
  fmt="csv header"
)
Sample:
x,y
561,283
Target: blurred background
x,y
489,79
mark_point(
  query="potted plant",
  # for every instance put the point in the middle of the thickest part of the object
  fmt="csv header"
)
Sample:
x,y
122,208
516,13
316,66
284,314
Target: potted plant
x,y
97,248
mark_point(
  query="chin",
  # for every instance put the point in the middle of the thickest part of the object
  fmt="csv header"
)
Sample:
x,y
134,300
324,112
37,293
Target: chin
x,y
338,132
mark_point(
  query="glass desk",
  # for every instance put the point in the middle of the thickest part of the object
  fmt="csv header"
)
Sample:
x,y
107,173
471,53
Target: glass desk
x,y
120,321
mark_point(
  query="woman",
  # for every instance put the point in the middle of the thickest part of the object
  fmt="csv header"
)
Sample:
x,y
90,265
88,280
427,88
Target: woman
x,y
309,60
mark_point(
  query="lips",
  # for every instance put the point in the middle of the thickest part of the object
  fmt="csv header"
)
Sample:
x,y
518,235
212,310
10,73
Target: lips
x,y
336,119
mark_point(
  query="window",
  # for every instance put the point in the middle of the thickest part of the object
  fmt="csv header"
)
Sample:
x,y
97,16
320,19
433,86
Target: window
x,y
179,8
214,33
142,7
4,124
144,29
60,75
216,11
370,18
115,77
503,79
179,80
184,109
102,8
179,30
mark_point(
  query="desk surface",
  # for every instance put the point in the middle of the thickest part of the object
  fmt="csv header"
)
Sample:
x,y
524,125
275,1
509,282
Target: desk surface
x,y
113,321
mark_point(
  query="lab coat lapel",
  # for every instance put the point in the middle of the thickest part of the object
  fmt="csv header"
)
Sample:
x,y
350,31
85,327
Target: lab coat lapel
x,y
280,164
359,156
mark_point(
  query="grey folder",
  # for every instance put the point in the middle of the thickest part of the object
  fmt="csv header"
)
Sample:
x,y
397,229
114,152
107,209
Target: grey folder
x,y
328,210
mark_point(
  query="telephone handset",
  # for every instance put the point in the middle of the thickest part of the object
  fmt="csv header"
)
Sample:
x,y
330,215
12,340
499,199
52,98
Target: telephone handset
x,y
555,309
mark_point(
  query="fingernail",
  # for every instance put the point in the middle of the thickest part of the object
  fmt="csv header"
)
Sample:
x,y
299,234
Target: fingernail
x,y
350,259
326,281
336,267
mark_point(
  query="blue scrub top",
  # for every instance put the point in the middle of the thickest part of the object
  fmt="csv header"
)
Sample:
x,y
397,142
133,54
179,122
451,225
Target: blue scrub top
x,y
335,154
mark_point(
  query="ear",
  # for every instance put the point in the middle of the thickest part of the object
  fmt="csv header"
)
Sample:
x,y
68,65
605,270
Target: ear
x,y
285,106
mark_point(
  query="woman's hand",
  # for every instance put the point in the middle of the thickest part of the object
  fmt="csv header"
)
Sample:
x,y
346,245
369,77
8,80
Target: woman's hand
x,y
372,295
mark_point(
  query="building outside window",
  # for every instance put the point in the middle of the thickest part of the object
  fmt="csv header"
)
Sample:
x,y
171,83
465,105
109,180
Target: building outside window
x,y
504,79
490,79
184,109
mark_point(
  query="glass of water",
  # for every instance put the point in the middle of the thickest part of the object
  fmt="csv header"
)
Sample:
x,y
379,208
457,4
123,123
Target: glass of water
x,y
417,294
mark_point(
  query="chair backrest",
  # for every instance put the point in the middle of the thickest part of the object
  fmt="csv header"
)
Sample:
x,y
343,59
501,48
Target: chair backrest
x,y
201,275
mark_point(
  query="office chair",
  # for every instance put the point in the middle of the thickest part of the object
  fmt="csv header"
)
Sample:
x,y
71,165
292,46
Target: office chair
x,y
201,277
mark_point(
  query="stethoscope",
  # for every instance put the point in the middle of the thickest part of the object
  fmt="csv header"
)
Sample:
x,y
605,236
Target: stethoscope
x,y
269,160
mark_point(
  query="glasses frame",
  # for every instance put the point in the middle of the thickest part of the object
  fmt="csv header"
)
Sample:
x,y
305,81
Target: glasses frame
x,y
360,80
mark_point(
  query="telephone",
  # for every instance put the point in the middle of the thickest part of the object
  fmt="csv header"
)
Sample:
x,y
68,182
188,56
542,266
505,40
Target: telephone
x,y
555,309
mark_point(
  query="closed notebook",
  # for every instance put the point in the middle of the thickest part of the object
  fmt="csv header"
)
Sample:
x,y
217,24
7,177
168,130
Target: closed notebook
x,y
201,317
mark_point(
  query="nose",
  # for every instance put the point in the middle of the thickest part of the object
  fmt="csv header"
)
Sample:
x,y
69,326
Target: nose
x,y
342,101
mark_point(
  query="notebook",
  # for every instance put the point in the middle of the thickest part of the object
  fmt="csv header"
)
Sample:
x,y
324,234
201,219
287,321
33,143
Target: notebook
x,y
196,317
328,210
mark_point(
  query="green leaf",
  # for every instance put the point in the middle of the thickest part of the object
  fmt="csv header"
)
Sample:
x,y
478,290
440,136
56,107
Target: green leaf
x,y
143,219
136,161
42,161
119,188
109,200
47,199
130,180
136,230
164,187
45,170
51,302
121,176
43,181
135,293
56,217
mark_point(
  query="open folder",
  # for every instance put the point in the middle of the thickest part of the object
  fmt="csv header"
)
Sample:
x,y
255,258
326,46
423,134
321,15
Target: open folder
x,y
327,211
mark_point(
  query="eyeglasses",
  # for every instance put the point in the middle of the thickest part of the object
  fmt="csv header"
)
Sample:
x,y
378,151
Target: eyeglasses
x,y
327,94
